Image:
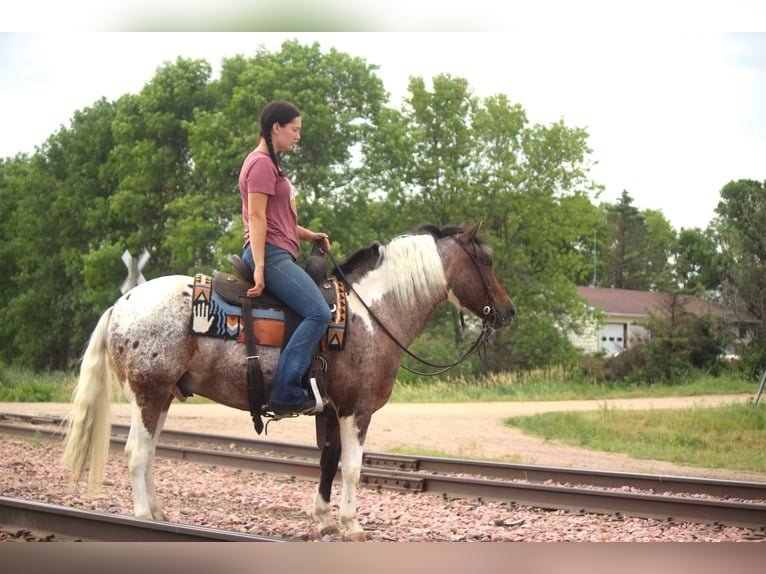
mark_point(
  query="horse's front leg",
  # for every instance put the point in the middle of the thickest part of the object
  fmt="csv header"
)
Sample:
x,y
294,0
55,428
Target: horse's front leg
x,y
328,465
352,433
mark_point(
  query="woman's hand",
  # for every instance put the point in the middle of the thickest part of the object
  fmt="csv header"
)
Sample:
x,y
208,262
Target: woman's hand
x,y
311,237
257,289
324,246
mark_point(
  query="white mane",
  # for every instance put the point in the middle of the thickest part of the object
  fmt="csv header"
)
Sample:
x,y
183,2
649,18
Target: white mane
x,y
412,270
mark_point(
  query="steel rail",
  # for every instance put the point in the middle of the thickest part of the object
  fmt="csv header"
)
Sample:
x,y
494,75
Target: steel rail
x,y
590,500
593,500
68,523
656,483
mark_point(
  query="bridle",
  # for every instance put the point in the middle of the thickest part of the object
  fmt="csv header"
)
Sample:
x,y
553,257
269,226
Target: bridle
x,y
490,307
479,343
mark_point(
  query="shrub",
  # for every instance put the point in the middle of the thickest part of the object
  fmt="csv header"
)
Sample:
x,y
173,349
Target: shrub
x,y
27,387
28,392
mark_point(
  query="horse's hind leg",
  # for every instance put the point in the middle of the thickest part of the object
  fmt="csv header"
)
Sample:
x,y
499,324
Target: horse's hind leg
x,y
328,464
140,448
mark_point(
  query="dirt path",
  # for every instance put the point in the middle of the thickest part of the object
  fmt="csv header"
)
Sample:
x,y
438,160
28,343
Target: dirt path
x,y
463,430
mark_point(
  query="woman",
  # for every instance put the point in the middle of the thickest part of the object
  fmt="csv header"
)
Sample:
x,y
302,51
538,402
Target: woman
x,y
272,236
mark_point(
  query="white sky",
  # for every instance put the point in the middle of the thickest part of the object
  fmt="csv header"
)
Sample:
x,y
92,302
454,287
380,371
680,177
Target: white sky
x,y
673,115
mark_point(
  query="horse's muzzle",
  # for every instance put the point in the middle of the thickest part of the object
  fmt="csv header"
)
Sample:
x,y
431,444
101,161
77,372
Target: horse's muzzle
x,y
504,315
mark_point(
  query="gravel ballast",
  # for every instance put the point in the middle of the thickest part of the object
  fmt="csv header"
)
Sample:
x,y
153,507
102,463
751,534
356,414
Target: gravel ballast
x,y
267,505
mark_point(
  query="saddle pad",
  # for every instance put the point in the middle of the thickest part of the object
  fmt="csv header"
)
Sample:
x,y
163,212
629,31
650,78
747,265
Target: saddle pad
x,y
214,317
336,330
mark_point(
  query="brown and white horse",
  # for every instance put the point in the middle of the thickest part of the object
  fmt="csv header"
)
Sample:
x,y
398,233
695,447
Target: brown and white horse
x,y
144,342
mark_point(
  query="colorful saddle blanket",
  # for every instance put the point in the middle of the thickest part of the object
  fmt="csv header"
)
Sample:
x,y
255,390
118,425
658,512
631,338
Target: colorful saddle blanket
x,y
214,317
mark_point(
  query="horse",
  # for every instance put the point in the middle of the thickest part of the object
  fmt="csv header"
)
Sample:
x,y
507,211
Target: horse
x,y
143,342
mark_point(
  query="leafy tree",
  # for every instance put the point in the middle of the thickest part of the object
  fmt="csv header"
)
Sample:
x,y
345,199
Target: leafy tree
x,y
448,157
56,211
740,232
698,265
660,245
13,172
151,161
674,331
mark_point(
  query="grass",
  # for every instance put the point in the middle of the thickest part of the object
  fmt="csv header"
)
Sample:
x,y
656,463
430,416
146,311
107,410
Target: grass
x,y
731,436
466,452
17,385
552,385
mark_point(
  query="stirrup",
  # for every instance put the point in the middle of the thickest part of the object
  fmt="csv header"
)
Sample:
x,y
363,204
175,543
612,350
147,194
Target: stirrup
x,y
320,403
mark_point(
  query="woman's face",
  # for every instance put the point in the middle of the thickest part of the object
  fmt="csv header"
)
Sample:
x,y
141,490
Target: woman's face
x,y
286,136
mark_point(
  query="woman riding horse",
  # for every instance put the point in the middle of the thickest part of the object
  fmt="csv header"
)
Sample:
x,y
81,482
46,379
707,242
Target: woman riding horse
x,y
146,344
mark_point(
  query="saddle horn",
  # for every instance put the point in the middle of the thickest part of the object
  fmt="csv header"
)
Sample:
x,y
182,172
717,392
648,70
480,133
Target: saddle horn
x,y
241,269
315,264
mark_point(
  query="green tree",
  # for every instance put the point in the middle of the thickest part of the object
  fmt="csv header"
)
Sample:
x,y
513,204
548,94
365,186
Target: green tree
x,y
627,250
674,331
448,157
660,244
151,161
740,232
13,172
698,265
56,217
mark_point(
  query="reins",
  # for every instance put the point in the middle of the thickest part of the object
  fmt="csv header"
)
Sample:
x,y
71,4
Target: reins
x,y
481,340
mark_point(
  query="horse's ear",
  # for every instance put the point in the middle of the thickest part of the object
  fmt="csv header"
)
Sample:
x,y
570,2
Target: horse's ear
x,y
470,234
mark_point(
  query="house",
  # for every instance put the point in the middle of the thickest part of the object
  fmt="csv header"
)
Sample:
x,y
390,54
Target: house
x,y
626,315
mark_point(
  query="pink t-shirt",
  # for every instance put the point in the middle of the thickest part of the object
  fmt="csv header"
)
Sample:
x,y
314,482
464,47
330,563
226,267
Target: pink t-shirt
x,y
259,175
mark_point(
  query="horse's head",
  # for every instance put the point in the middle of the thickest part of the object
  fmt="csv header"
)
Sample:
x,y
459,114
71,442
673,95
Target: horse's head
x,y
473,283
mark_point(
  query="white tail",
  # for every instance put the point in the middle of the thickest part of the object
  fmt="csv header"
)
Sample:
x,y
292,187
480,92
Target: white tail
x,y
89,423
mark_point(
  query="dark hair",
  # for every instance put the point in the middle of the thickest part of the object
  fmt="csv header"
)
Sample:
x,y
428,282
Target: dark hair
x,y
276,112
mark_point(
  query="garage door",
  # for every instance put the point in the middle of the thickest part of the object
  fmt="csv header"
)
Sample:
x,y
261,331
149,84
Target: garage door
x,y
613,338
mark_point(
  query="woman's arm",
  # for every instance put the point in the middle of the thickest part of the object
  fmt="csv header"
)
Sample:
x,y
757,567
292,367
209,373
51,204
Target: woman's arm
x,y
256,212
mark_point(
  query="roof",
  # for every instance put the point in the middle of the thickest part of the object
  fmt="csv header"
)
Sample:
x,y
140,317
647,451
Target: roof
x,y
642,303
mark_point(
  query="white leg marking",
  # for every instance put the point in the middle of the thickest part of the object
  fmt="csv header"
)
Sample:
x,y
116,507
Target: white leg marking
x,y
322,515
138,451
151,489
351,466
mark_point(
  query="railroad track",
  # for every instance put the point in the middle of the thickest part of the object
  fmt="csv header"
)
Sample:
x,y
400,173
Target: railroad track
x,y
543,487
47,522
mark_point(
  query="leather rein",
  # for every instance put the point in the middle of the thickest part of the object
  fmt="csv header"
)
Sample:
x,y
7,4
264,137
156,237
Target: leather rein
x,y
480,342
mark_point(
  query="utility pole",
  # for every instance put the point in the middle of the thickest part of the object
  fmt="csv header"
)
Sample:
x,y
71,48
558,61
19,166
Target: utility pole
x,y
760,388
595,252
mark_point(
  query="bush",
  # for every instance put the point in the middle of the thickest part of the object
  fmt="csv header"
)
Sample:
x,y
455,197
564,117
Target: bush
x,y
753,360
630,365
20,386
28,393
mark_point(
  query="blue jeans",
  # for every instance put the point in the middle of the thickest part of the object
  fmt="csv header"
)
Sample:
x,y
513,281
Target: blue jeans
x,y
292,285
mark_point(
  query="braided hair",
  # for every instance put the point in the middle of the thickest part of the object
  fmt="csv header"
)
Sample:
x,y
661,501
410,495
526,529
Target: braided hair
x,y
282,113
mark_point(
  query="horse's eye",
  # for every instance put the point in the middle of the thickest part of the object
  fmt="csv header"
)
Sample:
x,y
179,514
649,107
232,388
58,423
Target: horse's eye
x,y
487,262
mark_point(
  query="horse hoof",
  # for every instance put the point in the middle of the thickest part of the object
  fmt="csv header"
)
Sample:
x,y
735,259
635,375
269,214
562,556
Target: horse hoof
x,y
330,530
358,537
